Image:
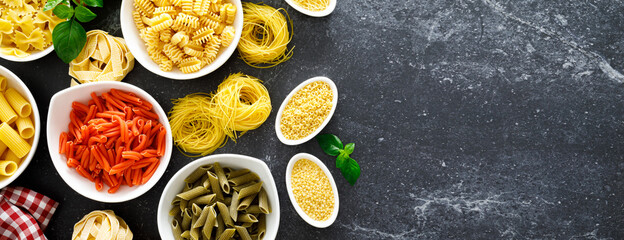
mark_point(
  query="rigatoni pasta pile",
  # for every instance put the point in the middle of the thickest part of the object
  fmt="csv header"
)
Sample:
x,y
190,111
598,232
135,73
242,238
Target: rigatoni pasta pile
x,y
220,203
16,129
184,33
103,58
101,225
25,27
306,110
114,139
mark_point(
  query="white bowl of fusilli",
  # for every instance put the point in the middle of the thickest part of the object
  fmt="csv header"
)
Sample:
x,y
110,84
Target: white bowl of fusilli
x,y
181,39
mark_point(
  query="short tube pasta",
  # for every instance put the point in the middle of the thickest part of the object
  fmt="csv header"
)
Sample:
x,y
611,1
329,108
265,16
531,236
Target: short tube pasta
x,y
7,168
12,139
209,216
25,127
7,115
18,103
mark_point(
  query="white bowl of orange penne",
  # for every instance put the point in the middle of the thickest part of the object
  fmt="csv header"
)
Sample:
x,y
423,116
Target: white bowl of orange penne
x,y
20,127
109,141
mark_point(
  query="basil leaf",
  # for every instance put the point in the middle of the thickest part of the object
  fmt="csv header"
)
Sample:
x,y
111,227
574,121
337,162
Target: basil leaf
x,y
83,14
51,4
341,160
349,148
68,38
330,144
94,3
351,171
63,11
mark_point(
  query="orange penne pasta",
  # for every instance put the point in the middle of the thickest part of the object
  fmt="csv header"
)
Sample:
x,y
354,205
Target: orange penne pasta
x,y
113,140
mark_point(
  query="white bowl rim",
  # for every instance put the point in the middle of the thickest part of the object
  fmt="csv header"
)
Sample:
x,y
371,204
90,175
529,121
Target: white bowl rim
x,y
302,214
128,28
58,162
327,11
35,110
207,160
33,56
278,129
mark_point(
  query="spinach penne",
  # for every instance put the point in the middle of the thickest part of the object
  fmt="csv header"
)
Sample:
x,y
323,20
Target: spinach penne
x,y
242,232
224,212
248,191
227,234
263,202
193,193
223,182
240,180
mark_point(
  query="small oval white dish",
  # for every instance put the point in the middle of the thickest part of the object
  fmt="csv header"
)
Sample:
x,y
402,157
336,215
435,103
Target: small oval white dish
x,y
329,9
15,82
58,119
302,214
278,129
33,56
176,184
139,51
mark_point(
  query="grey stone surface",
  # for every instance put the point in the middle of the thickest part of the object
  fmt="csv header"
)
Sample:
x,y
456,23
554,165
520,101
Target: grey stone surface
x,y
472,120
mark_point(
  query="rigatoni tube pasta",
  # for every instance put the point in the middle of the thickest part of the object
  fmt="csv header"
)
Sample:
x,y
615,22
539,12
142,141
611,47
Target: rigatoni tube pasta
x,y
215,213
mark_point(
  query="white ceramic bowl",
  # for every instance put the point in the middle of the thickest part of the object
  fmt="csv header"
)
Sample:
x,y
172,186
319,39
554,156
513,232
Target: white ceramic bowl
x,y
19,86
327,11
58,119
278,129
138,49
302,214
33,56
235,161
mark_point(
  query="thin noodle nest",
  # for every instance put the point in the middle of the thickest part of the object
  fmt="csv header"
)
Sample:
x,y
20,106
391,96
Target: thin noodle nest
x,y
265,36
200,122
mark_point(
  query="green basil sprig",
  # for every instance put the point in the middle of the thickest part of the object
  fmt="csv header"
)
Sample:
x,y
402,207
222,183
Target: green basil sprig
x,y
332,145
70,37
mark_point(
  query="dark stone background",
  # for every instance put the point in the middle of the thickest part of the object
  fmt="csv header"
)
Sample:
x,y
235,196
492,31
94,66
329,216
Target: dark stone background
x,y
472,120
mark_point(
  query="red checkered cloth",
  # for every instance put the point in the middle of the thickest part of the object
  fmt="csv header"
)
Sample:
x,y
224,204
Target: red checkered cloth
x,y
18,224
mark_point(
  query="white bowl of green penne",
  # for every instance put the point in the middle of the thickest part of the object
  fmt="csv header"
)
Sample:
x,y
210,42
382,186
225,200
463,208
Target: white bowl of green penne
x,y
196,200
12,152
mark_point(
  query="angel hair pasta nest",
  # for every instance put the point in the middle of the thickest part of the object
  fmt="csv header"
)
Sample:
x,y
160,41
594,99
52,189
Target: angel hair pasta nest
x,y
200,122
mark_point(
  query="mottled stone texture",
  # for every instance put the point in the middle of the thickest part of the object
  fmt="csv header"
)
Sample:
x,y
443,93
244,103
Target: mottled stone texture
x,y
472,120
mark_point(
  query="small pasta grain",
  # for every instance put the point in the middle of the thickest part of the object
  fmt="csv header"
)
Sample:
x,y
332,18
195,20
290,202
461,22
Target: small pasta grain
x,y
312,190
306,110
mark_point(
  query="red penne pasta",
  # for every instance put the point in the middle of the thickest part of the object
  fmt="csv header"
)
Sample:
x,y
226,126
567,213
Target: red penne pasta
x,y
113,140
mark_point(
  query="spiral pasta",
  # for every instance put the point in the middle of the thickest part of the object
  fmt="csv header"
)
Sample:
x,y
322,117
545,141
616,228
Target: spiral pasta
x,y
265,36
200,122
197,23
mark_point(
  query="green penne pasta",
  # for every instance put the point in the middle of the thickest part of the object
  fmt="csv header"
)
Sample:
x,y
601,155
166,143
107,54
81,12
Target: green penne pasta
x,y
227,234
253,209
197,174
195,234
183,204
214,185
263,202
187,216
187,186
247,224
193,193
176,201
248,191
174,211
203,200
242,232
186,234
246,217
211,220
261,226
225,214
227,200
220,227
196,209
234,206
223,182
177,231
244,204
201,220
238,188
240,180
238,173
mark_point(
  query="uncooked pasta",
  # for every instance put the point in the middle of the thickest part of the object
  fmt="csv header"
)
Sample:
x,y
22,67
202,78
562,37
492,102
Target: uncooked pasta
x,y
313,5
265,36
200,122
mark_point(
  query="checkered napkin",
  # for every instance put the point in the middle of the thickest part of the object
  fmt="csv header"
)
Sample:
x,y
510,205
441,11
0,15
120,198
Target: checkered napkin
x,y
15,223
